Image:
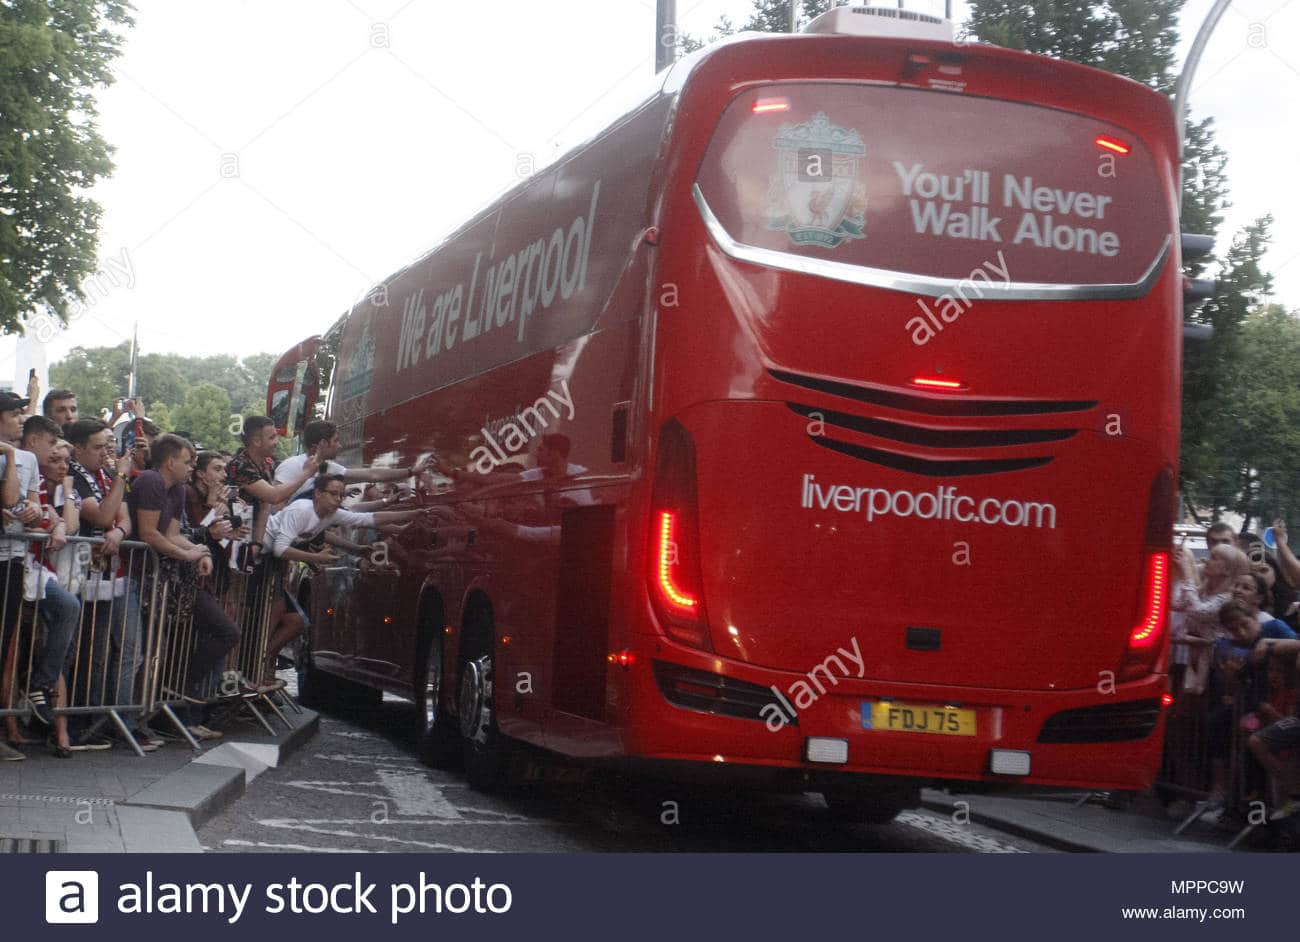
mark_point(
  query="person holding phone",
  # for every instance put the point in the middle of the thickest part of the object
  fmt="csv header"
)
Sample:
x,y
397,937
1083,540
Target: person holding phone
x,y
208,509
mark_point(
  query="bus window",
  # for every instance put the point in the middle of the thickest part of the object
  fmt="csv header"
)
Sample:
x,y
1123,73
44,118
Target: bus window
x,y
294,388
904,181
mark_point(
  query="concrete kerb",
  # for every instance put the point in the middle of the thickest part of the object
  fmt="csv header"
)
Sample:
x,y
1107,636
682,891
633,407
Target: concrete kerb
x,y
216,779
947,805
1062,825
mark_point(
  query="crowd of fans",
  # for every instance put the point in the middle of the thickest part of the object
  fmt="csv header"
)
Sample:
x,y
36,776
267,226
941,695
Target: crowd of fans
x,y
73,614
1235,731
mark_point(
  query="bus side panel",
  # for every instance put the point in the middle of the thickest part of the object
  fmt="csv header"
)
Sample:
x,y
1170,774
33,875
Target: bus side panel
x,y
521,529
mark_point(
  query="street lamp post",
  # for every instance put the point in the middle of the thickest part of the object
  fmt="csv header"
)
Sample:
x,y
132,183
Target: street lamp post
x,y
1189,72
665,34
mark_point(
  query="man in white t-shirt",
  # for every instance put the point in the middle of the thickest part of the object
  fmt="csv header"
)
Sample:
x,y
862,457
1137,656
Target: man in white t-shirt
x,y
321,439
299,532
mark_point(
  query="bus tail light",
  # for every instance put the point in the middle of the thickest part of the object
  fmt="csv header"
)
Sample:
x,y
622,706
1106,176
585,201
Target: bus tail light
x,y
675,581
1146,639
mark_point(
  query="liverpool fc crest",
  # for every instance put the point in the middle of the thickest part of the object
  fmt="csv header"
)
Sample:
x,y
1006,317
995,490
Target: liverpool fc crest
x,y
816,197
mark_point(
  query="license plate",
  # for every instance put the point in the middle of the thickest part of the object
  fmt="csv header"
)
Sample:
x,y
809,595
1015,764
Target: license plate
x,y
909,718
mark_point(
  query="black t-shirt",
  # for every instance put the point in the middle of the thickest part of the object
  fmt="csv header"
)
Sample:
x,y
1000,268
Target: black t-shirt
x,y
150,492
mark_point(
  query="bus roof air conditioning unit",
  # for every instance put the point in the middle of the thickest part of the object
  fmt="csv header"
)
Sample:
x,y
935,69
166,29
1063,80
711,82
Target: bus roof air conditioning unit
x,y
881,21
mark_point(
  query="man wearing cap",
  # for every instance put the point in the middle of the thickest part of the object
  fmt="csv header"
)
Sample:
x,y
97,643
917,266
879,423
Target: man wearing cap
x,y
20,495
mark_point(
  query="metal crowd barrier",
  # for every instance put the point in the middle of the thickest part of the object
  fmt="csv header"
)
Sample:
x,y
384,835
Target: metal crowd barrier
x,y
1206,749
135,636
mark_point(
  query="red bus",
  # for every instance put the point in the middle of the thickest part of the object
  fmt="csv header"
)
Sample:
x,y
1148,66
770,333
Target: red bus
x,y
815,426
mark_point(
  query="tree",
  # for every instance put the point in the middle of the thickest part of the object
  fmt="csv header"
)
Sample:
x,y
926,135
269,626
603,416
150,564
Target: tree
x,y
1136,38
1205,187
1212,373
54,54
98,375
769,16
161,415
773,16
206,416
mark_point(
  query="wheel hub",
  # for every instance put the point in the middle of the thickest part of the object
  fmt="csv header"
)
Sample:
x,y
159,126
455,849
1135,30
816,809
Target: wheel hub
x,y
432,686
476,699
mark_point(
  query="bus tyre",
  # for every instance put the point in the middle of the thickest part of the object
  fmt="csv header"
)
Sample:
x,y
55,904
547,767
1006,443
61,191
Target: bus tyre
x,y
484,751
436,738
863,807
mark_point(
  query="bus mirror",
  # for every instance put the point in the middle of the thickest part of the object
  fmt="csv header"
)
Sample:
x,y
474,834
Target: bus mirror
x,y
1196,246
1197,333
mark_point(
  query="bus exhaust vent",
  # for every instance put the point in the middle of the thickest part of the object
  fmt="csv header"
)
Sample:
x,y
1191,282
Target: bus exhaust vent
x,y
881,21
1112,722
712,693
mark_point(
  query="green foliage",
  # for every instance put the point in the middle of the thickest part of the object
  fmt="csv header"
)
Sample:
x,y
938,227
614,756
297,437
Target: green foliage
x,y
1205,187
54,54
98,375
1136,38
1213,370
206,416
769,16
773,16
162,416
1257,430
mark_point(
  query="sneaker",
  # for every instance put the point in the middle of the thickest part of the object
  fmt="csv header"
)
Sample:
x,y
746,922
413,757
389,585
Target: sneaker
x,y
1286,811
143,734
9,754
41,712
202,733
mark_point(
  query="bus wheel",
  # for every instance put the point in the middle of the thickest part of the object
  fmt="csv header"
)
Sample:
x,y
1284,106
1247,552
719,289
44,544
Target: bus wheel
x,y
484,752
436,739
864,807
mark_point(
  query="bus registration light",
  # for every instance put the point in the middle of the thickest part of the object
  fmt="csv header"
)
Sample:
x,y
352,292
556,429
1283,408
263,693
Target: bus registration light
x,y
829,751
1110,144
1008,762
769,105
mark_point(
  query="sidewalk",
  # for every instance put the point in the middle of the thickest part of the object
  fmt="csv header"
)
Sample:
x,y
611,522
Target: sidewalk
x,y
1144,827
117,802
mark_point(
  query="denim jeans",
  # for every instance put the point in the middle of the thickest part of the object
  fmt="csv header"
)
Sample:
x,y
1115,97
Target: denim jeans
x,y
113,632
61,612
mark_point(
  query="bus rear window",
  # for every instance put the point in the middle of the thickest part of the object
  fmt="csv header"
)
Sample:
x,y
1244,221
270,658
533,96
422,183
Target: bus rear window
x,y
937,185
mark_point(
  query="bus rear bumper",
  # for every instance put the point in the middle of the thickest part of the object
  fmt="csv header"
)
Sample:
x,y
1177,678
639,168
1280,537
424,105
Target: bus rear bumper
x,y
1096,741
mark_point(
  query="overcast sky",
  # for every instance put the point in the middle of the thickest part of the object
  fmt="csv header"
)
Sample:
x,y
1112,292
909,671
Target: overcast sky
x,y
275,158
